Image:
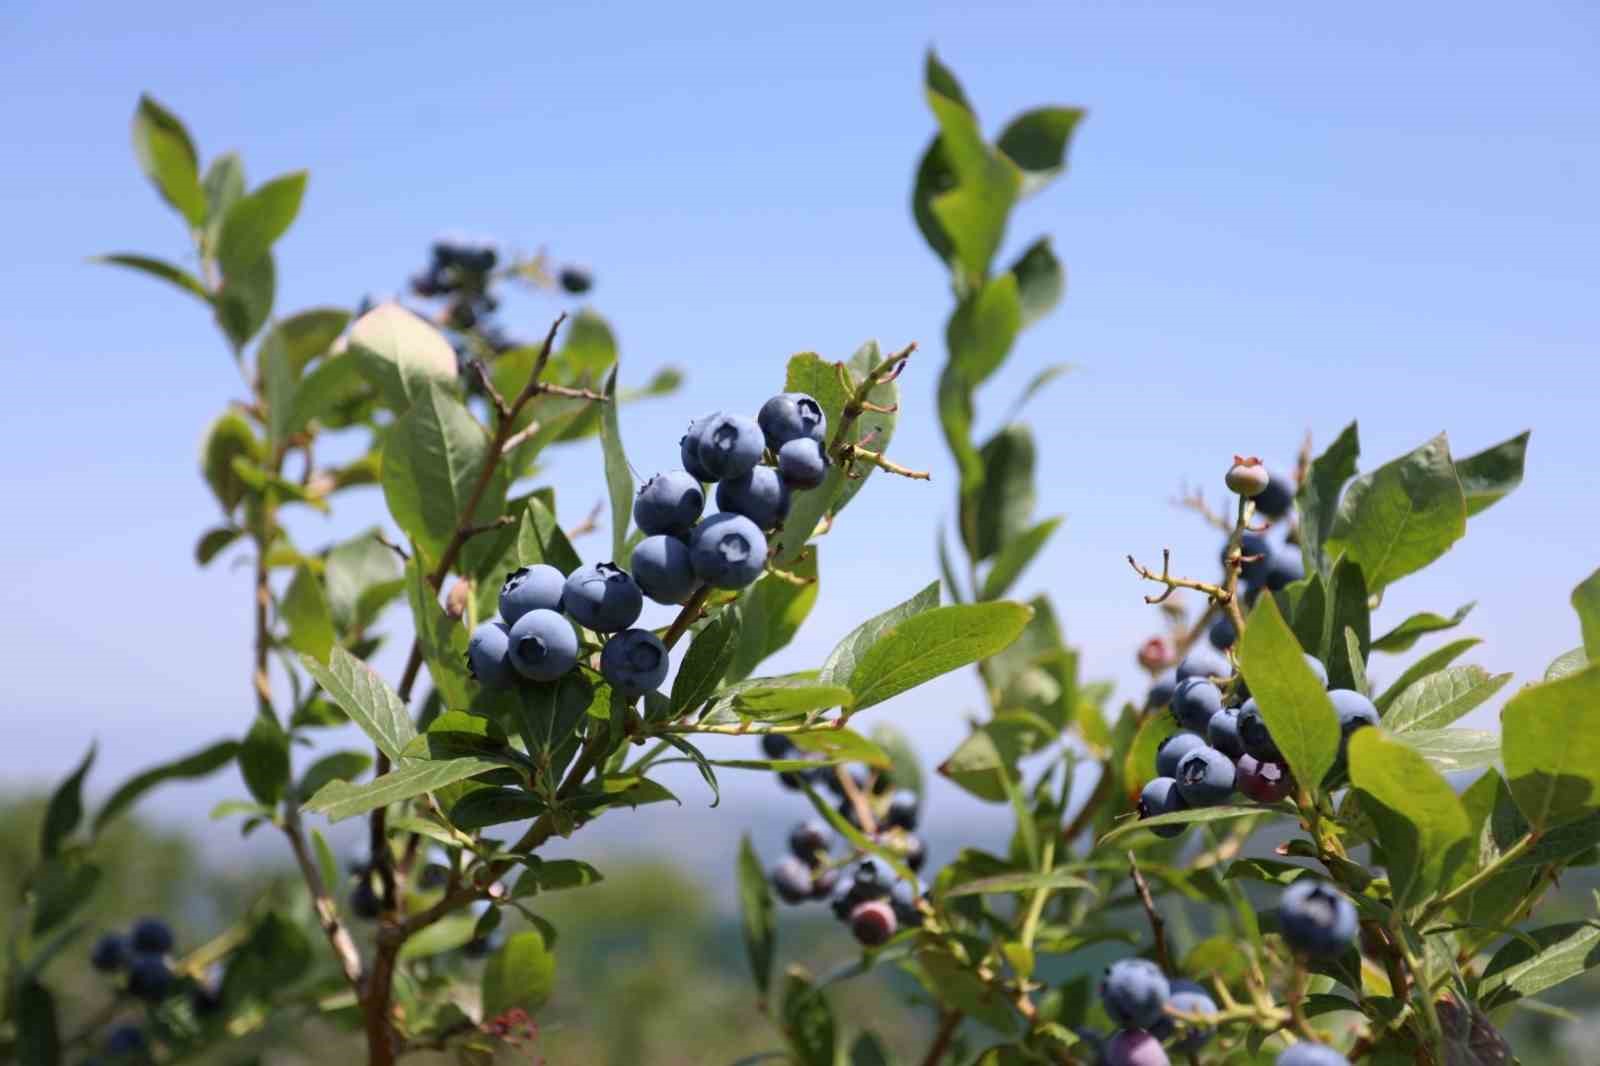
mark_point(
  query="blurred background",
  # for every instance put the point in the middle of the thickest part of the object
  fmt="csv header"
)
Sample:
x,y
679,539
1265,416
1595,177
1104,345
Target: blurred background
x,y
1276,220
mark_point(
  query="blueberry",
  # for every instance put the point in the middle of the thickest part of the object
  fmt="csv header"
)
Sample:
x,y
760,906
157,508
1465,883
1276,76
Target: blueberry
x,y
1264,782
872,922
1254,734
904,905
1222,633
530,588
1310,1055
1191,998
1317,668
1205,777
1134,992
873,878
149,979
1247,477
810,841
602,597
802,463
1254,548
1316,918
823,882
689,450
110,953
669,503
1173,749
489,655
634,661
575,280
1355,712
902,812
205,1000
1284,567
914,852
1161,796
1161,690
728,551
729,445
1275,499
1222,733
543,645
364,901
1194,701
760,495
151,936
125,1040
789,416
1133,1047
1204,663
662,569
777,746
791,880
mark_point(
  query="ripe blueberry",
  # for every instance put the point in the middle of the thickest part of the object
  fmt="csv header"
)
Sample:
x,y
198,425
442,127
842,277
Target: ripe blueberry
x,y
1161,796
1254,549
543,645
125,1040
1133,1047
151,936
662,569
1253,732
489,655
1317,668
575,280
1222,733
872,922
791,880
810,841
1247,477
1274,501
728,551
530,588
729,445
1284,567
802,463
1222,633
1194,701
634,661
205,1000
1190,998
1304,1054
1205,777
602,597
1355,712
790,415
1204,663
110,953
824,881
1173,749
777,746
1316,918
904,904
669,503
1134,992
364,901
1162,690
689,450
1264,782
914,852
760,495
149,979
902,812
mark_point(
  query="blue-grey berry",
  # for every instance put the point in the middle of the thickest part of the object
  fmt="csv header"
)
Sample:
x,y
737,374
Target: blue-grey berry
x,y
1275,499
110,953
729,445
1133,1047
544,646
602,597
1285,566
662,569
1205,777
803,463
124,1040
1315,918
902,813
669,503
531,588
1317,668
1161,690
1222,733
634,661
1173,749
1204,662
1134,993
149,979
728,551
810,841
1190,998
1194,701
151,936
489,655
1355,712
1222,633
1161,796
791,880
689,450
1304,1054
1253,733
790,415
760,495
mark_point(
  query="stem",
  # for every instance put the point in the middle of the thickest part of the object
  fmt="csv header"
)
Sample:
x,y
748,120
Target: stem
x,y
1030,922
1158,925
344,949
941,1039
1477,880
692,609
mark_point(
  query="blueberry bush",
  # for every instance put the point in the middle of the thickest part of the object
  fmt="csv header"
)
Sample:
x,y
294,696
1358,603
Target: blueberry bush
x,y
1266,858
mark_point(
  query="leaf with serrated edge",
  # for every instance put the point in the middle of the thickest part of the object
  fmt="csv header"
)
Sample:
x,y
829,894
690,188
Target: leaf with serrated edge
x,y
340,799
935,642
1293,703
1439,699
364,696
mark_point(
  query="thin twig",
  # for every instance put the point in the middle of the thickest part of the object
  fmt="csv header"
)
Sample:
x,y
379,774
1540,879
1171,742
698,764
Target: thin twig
x,y
344,949
948,1024
1158,925
590,523
1216,592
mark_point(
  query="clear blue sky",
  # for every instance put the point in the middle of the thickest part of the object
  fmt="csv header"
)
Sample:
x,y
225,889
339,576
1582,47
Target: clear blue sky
x,y
1278,218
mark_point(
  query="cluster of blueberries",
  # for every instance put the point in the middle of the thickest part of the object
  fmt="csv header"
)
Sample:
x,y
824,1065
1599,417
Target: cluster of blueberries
x,y
534,637
863,891
1313,918
141,956
1223,745
461,272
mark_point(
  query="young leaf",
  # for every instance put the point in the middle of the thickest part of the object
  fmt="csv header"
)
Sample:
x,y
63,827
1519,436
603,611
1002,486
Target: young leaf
x,y
230,437
214,542
707,661
310,620
1292,700
973,213
1189,817
842,745
338,766
341,799
401,354
1517,970
1036,141
700,762
1407,633
168,159
1347,609
1441,698
1421,823
1586,601
807,1021
788,697
756,916
1453,750
158,268
65,811
1429,664
202,763
841,661
364,696
1569,662
264,760
770,614
256,221
541,539
619,476
1317,501
1493,473
520,975
1002,507
926,645
1550,734
244,302
433,463
1402,516
484,807
1014,556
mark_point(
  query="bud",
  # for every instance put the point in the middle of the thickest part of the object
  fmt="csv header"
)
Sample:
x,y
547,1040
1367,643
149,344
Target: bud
x,y
1156,654
455,604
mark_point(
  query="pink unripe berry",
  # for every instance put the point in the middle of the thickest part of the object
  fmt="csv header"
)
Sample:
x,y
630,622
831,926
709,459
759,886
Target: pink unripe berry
x,y
1155,653
1247,476
872,922
1134,1047
1264,782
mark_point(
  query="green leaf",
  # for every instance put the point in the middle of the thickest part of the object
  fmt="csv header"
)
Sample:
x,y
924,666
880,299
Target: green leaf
x,y
1293,702
202,763
484,807
433,459
1402,516
1001,509
1454,750
223,184
1441,698
904,769
1492,473
855,837
1550,733
1014,556
448,934
985,763
842,660
1407,633
364,696
789,697
707,661
619,476
338,766
876,427
38,1035
770,614
213,542
306,611
1566,663
1317,502
264,760
341,799
158,268
256,221
1431,663
842,745
1347,609
807,1021
934,176
520,975
401,354
442,640
275,956
168,159
701,763
1586,601
983,328
1421,823
756,916
244,302
1517,970
1193,816
551,711
972,214
954,983
65,810
932,643
1025,881
868,1050
1037,141
311,333
229,437
454,734
359,576
328,393
1139,764
540,539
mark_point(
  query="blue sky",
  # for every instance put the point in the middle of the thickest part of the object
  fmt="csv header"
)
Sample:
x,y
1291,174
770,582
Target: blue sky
x,y
1277,219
